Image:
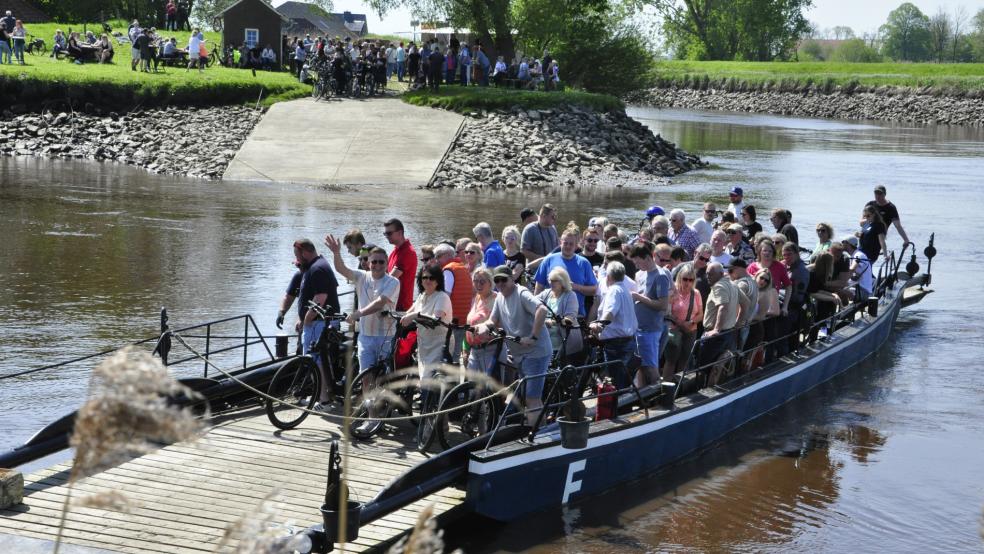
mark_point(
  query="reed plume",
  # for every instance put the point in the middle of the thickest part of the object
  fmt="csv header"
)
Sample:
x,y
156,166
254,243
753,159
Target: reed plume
x,y
425,538
127,414
257,531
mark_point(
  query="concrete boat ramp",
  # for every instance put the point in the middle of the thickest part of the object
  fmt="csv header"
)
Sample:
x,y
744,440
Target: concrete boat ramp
x,y
347,142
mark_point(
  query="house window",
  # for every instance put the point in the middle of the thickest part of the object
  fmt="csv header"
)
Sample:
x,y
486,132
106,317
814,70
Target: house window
x,y
252,38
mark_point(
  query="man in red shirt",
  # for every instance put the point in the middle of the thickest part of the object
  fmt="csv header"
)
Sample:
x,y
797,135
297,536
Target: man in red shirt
x,y
402,262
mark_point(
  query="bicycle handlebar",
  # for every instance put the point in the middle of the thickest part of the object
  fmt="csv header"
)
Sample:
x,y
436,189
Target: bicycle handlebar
x,y
323,313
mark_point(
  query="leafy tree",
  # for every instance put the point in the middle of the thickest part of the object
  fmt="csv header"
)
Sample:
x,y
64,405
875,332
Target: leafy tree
x,y
855,50
907,34
977,36
592,40
760,30
491,20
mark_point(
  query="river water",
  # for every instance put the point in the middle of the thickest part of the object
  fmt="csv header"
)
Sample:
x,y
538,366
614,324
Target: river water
x,y
887,457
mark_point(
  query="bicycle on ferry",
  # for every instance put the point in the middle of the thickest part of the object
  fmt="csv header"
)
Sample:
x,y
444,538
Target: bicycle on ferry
x,y
297,386
437,384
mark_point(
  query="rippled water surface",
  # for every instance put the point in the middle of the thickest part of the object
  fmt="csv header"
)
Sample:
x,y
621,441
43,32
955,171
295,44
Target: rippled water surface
x,y
887,457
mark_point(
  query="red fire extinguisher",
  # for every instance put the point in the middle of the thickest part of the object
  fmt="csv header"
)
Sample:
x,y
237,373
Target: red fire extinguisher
x,y
606,404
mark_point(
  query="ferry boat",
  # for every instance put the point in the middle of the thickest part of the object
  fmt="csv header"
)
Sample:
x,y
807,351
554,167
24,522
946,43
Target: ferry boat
x,y
514,470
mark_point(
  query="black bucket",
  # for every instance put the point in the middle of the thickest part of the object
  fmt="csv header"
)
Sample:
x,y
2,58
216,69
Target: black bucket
x,y
873,306
668,394
282,345
331,517
574,434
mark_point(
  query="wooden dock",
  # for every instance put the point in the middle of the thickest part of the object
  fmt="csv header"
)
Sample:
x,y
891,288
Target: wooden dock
x,y
187,494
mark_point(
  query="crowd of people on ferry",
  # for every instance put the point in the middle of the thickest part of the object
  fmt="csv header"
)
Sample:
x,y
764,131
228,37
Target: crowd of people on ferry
x,y
651,291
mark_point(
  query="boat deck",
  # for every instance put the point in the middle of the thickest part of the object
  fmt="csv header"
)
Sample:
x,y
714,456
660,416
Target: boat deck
x,y
187,494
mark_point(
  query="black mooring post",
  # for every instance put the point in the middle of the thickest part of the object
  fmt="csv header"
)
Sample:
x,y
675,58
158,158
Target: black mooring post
x,y
930,253
164,342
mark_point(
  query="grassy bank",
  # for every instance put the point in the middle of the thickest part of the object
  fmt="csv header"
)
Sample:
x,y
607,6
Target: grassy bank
x,y
956,78
469,99
46,80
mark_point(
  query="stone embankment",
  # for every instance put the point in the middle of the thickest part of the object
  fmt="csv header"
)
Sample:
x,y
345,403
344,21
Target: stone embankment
x,y
884,103
196,142
563,146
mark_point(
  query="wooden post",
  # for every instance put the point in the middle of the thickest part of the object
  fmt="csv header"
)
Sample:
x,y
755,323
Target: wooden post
x,y
11,488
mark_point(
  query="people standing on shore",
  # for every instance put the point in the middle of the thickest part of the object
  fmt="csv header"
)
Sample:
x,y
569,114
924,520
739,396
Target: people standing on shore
x,y
19,36
5,53
194,52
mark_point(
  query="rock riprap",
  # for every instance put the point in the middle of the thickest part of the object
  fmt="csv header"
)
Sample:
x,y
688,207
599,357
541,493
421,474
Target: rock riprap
x,y
197,142
562,146
882,103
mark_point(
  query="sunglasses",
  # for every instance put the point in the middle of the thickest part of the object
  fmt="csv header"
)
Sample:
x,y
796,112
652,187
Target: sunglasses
x,y
427,259
592,241
665,260
703,258
426,278
470,253
709,211
731,232
498,280
687,279
361,259
377,262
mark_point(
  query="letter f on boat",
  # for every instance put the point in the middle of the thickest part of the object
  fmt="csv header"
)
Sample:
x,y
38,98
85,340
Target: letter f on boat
x,y
571,486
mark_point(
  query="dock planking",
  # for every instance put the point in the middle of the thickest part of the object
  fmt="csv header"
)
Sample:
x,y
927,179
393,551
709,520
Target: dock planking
x,y
185,495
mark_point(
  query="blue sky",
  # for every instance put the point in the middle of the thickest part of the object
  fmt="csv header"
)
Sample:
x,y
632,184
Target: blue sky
x,y
861,15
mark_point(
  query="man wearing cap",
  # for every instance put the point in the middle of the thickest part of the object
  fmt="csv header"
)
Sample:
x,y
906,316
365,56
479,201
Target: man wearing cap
x,y
862,278
888,211
737,198
517,312
704,225
737,247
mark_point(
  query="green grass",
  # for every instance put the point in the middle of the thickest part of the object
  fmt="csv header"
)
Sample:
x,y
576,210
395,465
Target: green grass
x,y
462,99
45,78
964,77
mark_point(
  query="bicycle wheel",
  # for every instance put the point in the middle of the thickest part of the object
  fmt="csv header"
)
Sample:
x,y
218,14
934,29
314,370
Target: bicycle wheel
x,y
296,387
370,404
461,424
41,49
430,400
316,90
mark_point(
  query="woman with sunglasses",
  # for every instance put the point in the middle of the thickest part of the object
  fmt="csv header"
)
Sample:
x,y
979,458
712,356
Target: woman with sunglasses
x,y
686,312
751,227
473,257
780,277
872,234
432,302
825,234
477,356
561,303
515,260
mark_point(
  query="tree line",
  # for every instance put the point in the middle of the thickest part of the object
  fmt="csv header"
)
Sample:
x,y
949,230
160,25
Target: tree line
x,y
907,35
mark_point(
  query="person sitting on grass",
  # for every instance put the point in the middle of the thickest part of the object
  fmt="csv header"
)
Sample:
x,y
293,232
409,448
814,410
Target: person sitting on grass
x,y
90,38
60,44
105,49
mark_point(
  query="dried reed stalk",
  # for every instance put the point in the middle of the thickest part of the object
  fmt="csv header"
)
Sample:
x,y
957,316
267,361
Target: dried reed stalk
x,y
257,531
127,414
425,538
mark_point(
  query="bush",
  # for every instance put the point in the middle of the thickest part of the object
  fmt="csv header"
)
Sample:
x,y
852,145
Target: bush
x,y
856,51
462,99
615,65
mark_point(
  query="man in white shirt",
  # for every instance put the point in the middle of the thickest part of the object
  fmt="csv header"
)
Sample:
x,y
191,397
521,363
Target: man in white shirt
x,y
718,253
737,197
377,292
618,337
704,225
862,278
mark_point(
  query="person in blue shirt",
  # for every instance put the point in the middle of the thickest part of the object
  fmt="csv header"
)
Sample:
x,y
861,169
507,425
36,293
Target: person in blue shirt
x,y
583,280
494,255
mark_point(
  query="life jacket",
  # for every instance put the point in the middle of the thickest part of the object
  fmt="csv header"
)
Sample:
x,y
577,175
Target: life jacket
x,y
462,294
